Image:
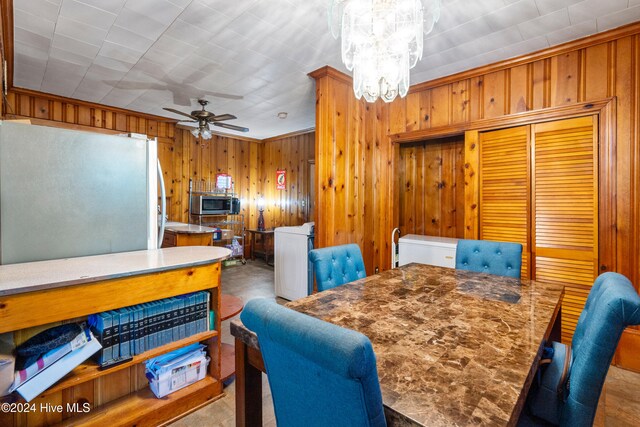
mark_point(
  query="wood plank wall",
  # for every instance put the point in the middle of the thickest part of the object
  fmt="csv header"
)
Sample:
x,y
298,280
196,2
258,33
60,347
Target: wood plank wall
x,y
431,187
293,154
590,69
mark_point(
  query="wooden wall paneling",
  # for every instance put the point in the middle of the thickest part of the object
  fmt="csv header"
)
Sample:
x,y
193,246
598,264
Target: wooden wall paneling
x,y
432,170
425,109
520,89
627,138
539,84
565,78
397,116
440,109
254,186
476,96
460,102
596,63
413,112
471,185
407,183
494,92
459,204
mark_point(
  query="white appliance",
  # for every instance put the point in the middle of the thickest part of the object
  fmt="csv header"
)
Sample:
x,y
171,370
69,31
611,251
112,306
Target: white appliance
x,y
432,250
293,274
66,193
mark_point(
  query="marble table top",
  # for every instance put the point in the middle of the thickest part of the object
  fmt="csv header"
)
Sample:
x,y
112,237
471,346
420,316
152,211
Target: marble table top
x,y
34,276
452,347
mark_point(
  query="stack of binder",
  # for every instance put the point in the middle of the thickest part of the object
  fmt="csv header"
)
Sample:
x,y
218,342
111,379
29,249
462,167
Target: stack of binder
x,y
129,331
31,381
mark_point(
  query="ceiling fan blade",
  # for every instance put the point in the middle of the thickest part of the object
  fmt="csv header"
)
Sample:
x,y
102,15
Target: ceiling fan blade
x,y
181,113
232,127
222,117
187,121
225,95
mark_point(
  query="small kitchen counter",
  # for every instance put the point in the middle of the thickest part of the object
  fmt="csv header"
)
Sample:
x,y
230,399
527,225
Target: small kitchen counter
x,y
41,275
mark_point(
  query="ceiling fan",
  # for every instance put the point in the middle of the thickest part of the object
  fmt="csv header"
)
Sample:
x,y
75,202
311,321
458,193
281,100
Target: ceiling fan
x,y
204,118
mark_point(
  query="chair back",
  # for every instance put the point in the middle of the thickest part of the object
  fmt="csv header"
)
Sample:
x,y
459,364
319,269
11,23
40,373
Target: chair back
x,y
485,256
320,374
337,265
612,305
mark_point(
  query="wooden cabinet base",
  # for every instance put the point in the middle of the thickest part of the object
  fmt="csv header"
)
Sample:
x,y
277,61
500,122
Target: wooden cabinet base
x,y
142,408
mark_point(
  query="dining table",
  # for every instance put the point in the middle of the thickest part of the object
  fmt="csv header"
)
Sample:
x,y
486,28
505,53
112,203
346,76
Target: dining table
x,y
453,347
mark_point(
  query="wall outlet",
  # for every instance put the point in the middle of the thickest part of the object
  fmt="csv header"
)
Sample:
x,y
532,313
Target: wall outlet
x,y
377,270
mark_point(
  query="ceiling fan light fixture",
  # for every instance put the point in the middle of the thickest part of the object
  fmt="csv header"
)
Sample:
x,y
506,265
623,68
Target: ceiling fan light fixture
x,y
195,132
206,134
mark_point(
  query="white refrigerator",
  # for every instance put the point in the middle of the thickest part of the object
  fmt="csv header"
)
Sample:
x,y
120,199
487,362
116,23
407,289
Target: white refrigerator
x,y
66,193
293,274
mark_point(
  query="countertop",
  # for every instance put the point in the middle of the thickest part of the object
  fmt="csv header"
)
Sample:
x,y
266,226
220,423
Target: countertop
x,y
182,228
40,275
453,347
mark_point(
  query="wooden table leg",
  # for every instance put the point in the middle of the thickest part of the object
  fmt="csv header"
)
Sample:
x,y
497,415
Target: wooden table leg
x,y
253,246
248,389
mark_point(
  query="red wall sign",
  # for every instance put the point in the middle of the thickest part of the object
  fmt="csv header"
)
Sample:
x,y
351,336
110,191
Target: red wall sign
x,y
281,179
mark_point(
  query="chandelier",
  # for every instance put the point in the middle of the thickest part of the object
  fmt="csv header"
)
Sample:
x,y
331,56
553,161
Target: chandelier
x,y
381,41
202,130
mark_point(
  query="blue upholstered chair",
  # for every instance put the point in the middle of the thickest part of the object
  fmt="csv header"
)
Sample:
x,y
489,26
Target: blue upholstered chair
x,y
337,265
320,374
612,305
484,256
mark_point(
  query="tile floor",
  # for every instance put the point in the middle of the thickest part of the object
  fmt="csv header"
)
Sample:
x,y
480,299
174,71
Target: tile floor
x,y
619,403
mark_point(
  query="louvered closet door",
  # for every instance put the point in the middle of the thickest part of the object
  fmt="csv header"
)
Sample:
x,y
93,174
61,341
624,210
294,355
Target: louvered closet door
x,y
505,188
565,210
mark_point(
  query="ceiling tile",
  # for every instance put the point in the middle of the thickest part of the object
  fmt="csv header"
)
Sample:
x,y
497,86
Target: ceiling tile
x,y
30,54
113,6
591,9
65,55
169,45
31,39
76,46
119,52
231,8
79,31
548,6
618,19
43,9
159,10
526,46
87,14
188,33
33,23
548,23
124,37
140,24
573,32
512,14
114,64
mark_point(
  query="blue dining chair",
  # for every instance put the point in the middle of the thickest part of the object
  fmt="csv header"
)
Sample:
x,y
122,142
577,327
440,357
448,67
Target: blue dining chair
x,y
337,265
612,305
320,374
485,256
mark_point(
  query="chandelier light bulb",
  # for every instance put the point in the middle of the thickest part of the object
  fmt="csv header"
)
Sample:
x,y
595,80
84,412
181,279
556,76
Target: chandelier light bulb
x,y
381,41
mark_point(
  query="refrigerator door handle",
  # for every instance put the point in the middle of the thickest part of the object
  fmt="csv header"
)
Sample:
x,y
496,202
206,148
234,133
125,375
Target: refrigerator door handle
x,y
163,206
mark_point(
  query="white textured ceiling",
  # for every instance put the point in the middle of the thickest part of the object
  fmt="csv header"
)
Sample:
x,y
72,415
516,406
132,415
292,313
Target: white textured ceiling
x,y
147,54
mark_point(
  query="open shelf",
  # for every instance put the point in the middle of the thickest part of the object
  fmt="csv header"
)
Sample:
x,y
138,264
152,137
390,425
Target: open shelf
x,y
89,370
142,408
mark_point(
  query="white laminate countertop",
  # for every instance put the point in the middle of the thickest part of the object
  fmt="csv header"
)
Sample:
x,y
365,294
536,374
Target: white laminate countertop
x,y
40,275
182,228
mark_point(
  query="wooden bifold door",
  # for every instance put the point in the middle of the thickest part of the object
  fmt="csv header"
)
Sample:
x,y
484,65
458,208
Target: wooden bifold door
x,y
539,187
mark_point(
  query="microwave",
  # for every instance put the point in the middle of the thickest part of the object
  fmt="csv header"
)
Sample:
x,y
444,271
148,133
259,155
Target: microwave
x,y
214,205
